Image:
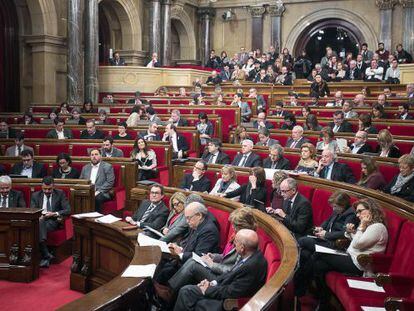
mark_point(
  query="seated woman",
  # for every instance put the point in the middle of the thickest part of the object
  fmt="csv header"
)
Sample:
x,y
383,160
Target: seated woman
x,y
307,163
103,117
162,91
311,123
378,112
205,128
276,198
330,230
227,183
76,116
369,237
319,88
365,124
218,100
64,169
122,133
64,108
306,110
176,226
240,134
137,114
28,118
289,122
53,115
371,177
254,192
146,159
328,140
88,107
386,147
402,185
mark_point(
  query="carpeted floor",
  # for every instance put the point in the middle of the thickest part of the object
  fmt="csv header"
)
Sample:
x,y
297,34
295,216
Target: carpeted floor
x,y
48,292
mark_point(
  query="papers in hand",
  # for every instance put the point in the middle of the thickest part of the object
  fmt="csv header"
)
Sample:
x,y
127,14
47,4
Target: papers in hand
x,y
326,250
87,215
147,228
199,260
365,308
371,286
144,240
140,271
342,143
107,219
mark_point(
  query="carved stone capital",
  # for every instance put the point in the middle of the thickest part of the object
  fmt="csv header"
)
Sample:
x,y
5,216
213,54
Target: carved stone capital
x,y
257,11
206,13
386,4
276,10
407,3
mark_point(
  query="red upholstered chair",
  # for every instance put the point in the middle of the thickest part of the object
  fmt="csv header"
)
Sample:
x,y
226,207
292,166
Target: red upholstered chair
x,y
306,191
389,170
118,202
26,193
264,239
320,206
293,158
222,219
52,149
272,256
355,166
82,150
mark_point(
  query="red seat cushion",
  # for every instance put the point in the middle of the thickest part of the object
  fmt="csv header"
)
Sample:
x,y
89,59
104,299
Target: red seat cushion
x,y
222,219
320,206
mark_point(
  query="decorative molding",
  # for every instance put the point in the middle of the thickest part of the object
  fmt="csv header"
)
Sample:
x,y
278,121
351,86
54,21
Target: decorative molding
x,y
257,11
276,10
206,12
27,257
386,4
407,3
14,254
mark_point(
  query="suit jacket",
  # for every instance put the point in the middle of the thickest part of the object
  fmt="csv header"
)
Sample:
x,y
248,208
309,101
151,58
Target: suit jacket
x,y
270,142
181,143
222,158
299,144
38,171
299,219
201,185
335,224
177,229
252,160
340,172
156,219
406,192
59,202
150,137
350,115
121,62
105,179
245,111
182,122
280,114
268,125
257,197
53,134
358,74
281,164
97,135
116,153
393,153
16,199
11,151
345,126
364,148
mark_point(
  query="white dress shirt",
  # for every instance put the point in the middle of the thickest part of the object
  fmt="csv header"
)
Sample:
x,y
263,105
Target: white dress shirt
x,y
94,173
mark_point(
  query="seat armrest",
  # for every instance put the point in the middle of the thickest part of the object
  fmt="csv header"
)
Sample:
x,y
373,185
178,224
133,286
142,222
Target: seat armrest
x,y
395,284
230,304
342,244
401,304
377,262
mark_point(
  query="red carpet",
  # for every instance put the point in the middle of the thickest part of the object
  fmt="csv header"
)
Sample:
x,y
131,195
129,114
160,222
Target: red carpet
x,y
48,292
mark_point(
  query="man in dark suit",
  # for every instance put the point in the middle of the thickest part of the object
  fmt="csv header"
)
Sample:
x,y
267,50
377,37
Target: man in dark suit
x,y
244,280
214,78
264,138
339,123
108,149
59,132
297,139
260,101
279,112
296,211
116,60
197,181
225,74
6,131
360,144
329,169
153,63
214,155
177,141
18,147
136,100
91,132
261,122
176,118
353,72
101,174
151,213
54,205
276,160
247,158
28,167
403,112
10,197
152,133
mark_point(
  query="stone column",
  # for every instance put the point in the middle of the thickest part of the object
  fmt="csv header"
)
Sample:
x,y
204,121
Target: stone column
x,y
408,25
166,33
276,12
74,81
91,62
206,15
386,7
257,26
155,28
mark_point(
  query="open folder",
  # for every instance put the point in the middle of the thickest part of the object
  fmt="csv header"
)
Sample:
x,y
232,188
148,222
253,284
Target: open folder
x,y
144,240
140,271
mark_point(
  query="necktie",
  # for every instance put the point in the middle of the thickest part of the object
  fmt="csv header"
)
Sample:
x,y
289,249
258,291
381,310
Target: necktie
x,y
3,201
289,207
293,145
239,264
274,163
48,207
19,150
147,212
211,159
243,161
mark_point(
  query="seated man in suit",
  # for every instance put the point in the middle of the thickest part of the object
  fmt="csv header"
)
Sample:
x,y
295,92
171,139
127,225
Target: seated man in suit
x,y
339,123
16,150
29,167
260,101
59,132
178,142
264,138
6,131
247,158
329,169
213,154
360,144
54,204
244,280
176,118
297,139
261,122
10,197
91,132
116,60
403,112
152,115
296,211
108,150
347,110
276,160
153,63
101,174
152,133
136,100
214,78
245,110
197,181
279,111
151,213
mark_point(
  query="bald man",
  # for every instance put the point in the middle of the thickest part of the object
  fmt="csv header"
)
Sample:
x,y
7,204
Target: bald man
x,y
330,169
244,280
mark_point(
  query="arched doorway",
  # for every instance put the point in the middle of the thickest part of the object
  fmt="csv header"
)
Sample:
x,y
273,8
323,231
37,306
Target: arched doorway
x,y
341,35
104,38
9,57
175,43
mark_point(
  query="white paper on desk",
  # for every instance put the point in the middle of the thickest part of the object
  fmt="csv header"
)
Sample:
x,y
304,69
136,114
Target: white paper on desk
x,y
107,219
365,308
269,172
326,250
87,215
140,271
154,231
144,240
199,260
371,286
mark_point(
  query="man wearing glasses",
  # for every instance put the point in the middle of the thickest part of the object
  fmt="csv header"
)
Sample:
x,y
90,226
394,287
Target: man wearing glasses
x,y
151,213
197,181
28,167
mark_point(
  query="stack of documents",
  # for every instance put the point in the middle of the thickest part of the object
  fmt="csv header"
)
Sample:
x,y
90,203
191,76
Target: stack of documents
x,y
108,219
87,215
144,240
371,286
140,271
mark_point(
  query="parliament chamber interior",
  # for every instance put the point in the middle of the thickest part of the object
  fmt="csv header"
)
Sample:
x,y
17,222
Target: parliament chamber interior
x,y
207,155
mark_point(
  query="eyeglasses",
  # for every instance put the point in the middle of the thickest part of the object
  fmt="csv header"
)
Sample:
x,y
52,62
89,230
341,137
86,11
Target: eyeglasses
x,y
155,192
284,191
359,211
176,203
198,168
188,218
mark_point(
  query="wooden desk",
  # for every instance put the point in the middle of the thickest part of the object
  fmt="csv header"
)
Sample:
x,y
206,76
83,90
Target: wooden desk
x,y
19,244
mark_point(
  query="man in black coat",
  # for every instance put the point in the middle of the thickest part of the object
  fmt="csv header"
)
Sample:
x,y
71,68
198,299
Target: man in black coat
x,y
360,144
297,139
28,167
151,213
339,123
213,154
247,158
244,280
178,142
329,169
6,131
10,197
276,159
54,205
197,181
91,132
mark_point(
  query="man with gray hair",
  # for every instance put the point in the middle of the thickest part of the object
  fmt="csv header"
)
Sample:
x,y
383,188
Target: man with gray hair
x,y
329,169
297,139
360,144
176,118
276,160
264,138
247,158
10,197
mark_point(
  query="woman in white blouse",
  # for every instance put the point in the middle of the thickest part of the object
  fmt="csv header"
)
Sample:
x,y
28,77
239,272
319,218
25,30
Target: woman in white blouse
x,y
146,159
227,182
